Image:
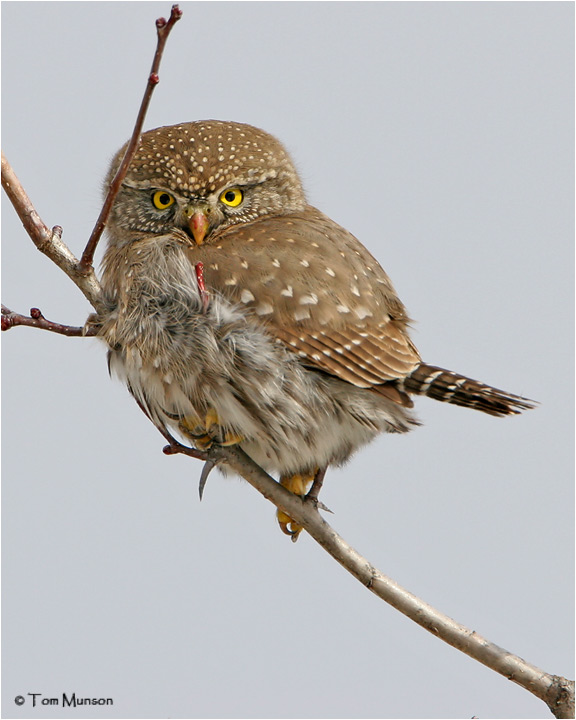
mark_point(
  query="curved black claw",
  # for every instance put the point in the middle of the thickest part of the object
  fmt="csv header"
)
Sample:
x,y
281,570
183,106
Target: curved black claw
x,y
206,470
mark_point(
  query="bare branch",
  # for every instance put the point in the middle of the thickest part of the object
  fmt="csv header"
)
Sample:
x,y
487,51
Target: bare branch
x,y
163,29
11,319
557,692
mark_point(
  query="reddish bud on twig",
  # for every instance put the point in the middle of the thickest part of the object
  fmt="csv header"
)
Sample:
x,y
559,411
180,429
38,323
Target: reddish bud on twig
x,y
160,23
153,79
37,320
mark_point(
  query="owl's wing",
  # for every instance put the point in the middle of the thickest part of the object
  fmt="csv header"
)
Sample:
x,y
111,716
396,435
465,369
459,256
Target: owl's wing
x,y
319,291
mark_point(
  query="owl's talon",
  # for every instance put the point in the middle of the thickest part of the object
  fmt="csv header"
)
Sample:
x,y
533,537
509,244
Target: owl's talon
x,y
206,470
230,439
214,430
202,442
207,433
297,484
288,526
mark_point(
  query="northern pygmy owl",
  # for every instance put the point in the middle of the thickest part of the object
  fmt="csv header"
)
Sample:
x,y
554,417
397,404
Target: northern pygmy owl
x,y
298,350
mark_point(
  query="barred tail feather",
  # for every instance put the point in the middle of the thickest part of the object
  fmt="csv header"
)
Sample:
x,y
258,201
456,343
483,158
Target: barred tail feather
x,y
450,387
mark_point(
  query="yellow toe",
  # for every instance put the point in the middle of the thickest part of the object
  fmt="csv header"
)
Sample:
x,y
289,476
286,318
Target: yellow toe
x,y
288,526
297,484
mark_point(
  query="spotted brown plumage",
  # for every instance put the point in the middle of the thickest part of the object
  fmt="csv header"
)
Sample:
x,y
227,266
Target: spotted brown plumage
x,y
298,349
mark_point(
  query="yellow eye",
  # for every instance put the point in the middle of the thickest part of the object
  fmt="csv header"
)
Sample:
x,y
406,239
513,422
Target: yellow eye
x,y
232,197
162,200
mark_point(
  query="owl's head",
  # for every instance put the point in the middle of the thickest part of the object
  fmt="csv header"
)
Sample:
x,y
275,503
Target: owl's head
x,y
200,178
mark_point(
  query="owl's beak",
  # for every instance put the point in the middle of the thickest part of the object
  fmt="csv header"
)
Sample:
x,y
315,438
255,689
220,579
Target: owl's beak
x,y
198,224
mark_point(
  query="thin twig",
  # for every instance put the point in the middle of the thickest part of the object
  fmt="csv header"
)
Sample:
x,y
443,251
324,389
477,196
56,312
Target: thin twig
x,y
163,29
12,319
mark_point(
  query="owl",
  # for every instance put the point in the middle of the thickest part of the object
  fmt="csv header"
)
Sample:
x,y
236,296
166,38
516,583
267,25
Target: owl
x,y
236,313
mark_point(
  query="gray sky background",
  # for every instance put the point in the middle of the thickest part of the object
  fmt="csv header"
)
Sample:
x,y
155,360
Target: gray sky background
x,y
441,135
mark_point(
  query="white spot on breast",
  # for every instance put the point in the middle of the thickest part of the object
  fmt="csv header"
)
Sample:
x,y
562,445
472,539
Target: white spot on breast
x,y
342,309
330,272
276,262
264,309
355,290
305,263
309,299
244,264
214,266
246,296
302,314
288,291
362,312
231,281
